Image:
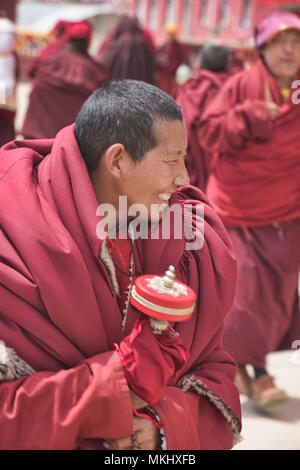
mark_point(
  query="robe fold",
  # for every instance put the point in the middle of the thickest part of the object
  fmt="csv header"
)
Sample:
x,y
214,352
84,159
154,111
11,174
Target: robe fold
x,y
59,312
255,177
194,97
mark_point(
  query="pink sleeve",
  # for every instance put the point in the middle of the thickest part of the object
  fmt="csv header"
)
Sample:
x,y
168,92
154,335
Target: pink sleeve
x,y
228,123
55,410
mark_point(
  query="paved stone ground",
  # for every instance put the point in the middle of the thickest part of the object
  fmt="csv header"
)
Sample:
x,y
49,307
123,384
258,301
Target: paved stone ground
x,y
278,427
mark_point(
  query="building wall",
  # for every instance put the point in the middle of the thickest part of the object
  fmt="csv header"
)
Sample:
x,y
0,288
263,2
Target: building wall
x,y
200,21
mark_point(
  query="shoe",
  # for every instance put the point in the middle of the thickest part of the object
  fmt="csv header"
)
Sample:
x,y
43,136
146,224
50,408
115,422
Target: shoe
x,y
265,392
243,381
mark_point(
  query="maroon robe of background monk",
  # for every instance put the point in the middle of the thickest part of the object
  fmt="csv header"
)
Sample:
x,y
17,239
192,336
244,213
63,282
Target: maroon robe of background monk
x,y
62,307
169,56
194,97
61,84
128,54
253,124
59,38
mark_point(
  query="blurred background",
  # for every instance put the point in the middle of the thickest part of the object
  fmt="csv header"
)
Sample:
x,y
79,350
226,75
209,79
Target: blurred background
x,y
200,22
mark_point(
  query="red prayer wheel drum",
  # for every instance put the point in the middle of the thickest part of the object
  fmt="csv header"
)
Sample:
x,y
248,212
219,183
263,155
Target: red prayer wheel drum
x,y
163,297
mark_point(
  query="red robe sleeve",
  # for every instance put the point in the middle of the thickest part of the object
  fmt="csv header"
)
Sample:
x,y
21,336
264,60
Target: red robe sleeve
x,y
230,120
87,401
206,422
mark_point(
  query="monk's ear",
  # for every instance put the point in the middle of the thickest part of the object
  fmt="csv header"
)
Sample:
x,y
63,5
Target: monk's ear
x,y
112,159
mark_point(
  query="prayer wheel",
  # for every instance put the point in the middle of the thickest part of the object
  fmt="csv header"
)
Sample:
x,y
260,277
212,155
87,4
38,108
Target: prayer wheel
x,y
163,297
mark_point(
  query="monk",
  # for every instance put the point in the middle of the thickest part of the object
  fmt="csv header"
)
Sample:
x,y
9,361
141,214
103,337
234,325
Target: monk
x,y
65,285
169,56
58,39
128,54
253,125
61,84
194,97
8,79
115,30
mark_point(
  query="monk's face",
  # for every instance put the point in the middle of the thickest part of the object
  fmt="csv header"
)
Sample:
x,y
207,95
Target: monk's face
x,y
154,179
282,54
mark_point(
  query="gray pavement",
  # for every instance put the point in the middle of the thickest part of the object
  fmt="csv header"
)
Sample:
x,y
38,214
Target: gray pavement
x,y
278,427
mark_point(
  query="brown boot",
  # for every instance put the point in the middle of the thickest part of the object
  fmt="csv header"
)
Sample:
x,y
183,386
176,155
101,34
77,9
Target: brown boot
x,y
265,392
243,381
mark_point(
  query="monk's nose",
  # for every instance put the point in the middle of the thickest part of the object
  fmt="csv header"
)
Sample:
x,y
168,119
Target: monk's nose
x,y
182,179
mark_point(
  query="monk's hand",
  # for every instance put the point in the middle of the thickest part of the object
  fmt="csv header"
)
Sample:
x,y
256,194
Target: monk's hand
x,y
146,435
123,443
273,109
271,105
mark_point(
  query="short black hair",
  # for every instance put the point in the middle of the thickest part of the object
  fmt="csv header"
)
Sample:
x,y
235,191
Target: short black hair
x,y
215,57
122,111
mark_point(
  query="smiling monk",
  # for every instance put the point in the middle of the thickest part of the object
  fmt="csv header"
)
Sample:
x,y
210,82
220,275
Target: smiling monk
x,y
64,290
253,125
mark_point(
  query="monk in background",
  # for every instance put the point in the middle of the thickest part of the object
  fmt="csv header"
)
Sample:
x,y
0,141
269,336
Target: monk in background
x,y
59,38
253,124
128,54
169,57
62,83
8,79
194,97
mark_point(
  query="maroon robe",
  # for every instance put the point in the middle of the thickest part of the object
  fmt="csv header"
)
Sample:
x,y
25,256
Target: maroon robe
x,y
59,312
169,57
265,315
128,55
194,97
54,47
61,85
51,50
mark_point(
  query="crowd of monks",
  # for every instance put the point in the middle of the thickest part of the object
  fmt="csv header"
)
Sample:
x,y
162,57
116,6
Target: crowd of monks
x,y
64,74
243,133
